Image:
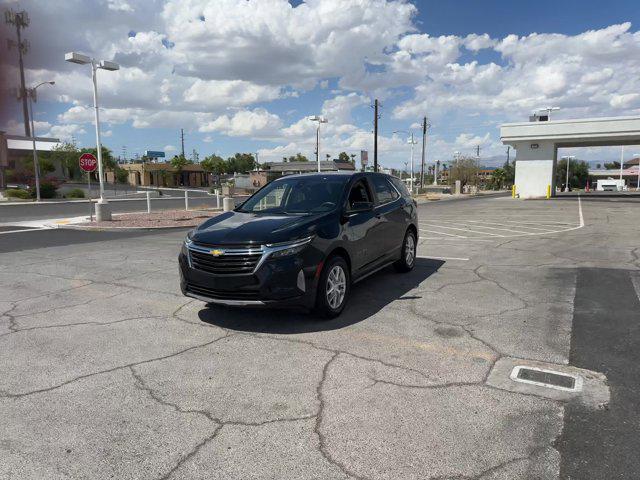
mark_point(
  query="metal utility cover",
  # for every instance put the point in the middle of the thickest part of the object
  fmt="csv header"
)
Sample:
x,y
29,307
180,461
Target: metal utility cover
x,y
547,378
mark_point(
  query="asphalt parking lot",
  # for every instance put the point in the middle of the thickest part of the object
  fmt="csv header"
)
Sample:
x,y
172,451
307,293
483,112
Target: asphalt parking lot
x,y
106,371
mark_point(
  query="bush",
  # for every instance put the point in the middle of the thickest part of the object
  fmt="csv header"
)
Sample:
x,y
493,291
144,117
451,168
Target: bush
x,y
17,193
75,193
47,190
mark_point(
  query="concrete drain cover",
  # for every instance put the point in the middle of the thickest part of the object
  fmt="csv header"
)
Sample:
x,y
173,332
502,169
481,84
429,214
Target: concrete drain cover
x,y
547,378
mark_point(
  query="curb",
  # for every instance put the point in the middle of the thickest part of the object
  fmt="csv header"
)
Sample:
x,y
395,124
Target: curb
x,y
90,228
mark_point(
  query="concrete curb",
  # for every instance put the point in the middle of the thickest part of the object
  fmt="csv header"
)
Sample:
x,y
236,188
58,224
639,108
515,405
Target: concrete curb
x,y
90,228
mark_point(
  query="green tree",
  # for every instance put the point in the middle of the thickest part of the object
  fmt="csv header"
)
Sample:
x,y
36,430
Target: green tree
x,y
498,179
578,173
298,157
612,165
178,162
68,155
213,164
343,157
464,169
509,173
241,163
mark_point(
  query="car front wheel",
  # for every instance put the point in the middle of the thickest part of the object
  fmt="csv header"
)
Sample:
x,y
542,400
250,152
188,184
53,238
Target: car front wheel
x,y
333,288
408,255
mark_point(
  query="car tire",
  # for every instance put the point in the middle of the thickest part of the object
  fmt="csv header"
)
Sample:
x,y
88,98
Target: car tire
x,y
334,286
408,254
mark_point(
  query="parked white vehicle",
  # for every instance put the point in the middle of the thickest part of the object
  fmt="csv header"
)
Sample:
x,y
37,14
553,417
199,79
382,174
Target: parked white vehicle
x,y
611,185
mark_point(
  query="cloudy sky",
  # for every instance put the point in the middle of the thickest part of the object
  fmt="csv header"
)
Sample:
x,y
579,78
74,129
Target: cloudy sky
x,y
244,75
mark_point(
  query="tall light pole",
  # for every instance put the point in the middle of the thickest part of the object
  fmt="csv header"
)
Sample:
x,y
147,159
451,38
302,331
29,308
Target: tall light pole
x,y
320,120
80,59
33,97
411,142
568,158
637,155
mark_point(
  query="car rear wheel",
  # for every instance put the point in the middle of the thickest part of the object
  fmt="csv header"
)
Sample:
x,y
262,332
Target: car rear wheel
x,y
333,288
408,254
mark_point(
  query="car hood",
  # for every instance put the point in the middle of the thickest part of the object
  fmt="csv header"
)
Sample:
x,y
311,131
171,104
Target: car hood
x,y
240,228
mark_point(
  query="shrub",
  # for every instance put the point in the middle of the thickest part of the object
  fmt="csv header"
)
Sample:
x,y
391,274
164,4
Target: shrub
x,y
75,193
47,190
17,193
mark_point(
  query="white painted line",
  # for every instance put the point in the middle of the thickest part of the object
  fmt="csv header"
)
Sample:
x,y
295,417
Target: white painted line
x,y
461,229
443,258
508,229
442,233
489,228
24,230
580,211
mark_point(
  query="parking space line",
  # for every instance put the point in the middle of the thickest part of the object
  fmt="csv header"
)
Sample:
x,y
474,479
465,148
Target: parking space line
x,y
462,229
462,259
442,233
22,230
489,228
515,225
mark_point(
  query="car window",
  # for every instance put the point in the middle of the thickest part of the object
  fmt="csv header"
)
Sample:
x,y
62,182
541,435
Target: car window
x,y
384,191
313,194
359,193
401,187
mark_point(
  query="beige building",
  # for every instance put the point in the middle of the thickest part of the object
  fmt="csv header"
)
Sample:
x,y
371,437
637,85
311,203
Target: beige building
x,y
164,175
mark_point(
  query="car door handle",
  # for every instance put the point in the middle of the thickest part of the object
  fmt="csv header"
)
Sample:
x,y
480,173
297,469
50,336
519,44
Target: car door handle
x,y
378,215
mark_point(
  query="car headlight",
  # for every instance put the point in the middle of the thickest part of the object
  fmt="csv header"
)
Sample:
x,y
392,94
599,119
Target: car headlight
x,y
285,249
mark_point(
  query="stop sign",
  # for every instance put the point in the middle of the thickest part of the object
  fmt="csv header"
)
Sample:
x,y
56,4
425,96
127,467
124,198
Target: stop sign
x,y
88,162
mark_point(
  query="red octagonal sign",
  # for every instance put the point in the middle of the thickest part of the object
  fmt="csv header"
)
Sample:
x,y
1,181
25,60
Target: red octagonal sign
x,y
88,162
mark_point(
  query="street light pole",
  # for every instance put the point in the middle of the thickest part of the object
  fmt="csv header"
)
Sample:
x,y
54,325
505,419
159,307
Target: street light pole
x,y
319,119
411,142
31,93
637,155
80,59
94,78
566,184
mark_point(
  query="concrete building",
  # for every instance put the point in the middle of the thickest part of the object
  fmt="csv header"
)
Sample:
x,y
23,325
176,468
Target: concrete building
x,y
537,144
14,148
288,168
164,175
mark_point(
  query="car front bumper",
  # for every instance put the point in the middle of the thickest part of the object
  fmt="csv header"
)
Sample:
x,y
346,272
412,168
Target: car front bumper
x,y
288,281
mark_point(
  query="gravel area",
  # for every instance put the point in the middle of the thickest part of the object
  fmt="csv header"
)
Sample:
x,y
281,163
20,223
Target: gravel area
x,y
166,218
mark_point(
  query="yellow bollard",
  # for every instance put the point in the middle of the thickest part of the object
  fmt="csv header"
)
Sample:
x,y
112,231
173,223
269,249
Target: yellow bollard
x,y
548,192
513,191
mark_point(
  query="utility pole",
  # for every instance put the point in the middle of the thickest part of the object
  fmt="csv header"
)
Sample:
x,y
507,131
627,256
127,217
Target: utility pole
x,y
375,135
182,141
20,20
508,152
478,152
424,147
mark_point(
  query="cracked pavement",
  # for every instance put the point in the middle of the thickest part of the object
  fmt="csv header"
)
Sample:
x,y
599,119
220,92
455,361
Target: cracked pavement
x,y
107,371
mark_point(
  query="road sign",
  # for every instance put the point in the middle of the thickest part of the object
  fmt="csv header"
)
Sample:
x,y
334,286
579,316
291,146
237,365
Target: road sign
x,y
364,157
88,162
153,154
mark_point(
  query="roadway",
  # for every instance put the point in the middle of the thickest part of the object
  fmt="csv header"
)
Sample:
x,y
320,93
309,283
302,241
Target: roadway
x,y
107,371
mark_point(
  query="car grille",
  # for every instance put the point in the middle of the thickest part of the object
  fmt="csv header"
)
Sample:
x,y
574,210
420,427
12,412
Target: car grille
x,y
232,262
223,294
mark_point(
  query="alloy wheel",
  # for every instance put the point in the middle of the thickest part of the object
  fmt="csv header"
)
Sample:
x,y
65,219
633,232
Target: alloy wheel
x,y
336,286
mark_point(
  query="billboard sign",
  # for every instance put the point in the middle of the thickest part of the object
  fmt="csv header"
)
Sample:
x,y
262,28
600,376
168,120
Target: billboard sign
x,y
153,154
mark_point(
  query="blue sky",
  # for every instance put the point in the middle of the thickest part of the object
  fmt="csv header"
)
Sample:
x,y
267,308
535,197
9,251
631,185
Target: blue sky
x,y
243,76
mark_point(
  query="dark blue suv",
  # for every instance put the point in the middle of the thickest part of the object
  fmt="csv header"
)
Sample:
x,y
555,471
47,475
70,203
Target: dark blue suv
x,y
302,240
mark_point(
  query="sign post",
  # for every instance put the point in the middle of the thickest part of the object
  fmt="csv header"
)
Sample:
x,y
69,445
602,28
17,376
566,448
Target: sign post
x,y
88,163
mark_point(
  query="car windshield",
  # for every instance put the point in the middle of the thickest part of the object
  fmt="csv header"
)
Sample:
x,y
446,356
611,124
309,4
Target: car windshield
x,y
297,195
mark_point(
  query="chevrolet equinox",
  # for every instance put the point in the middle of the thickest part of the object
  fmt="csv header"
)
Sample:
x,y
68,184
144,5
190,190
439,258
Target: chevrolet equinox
x,y
302,240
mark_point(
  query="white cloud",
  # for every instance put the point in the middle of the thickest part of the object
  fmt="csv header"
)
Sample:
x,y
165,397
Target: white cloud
x,y
220,94
66,132
169,148
250,123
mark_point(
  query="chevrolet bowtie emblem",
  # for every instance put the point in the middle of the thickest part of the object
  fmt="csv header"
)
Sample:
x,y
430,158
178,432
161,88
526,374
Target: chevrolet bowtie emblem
x,y
217,253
